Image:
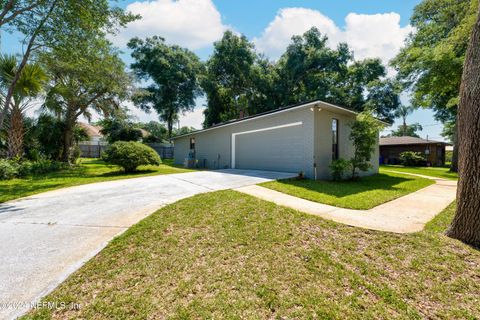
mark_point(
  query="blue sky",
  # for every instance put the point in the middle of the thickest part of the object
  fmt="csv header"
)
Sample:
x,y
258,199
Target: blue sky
x,y
372,28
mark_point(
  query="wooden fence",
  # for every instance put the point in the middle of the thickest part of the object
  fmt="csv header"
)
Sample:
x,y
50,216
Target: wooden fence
x,y
89,149
94,149
164,150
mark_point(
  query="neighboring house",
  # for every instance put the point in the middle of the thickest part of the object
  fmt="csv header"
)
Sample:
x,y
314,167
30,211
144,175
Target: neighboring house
x,y
391,147
92,131
96,144
300,138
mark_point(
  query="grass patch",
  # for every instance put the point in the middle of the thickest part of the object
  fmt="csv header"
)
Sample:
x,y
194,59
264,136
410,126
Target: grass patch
x,y
87,171
441,222
438,172
365,193
228,255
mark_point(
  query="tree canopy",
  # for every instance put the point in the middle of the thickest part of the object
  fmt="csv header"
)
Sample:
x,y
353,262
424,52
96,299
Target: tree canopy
x,y
430,65
173,75
239,81
94,80
49,24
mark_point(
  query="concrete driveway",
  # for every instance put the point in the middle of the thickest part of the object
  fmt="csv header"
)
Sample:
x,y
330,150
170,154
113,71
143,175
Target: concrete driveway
x,y
46,237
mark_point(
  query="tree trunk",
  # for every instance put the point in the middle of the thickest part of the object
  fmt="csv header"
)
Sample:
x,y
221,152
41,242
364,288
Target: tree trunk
x,y
15,134
466,223
170,125
68,135
454,165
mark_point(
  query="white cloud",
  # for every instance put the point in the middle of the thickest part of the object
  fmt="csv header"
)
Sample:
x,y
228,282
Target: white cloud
x,y
193,119
189,23
290,22
377,35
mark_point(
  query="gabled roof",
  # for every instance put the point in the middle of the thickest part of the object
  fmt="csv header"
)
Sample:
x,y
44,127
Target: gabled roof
x,y
312,103
91,130
406,140
94,131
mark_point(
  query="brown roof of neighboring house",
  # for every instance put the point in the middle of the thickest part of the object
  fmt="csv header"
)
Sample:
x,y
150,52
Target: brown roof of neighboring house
x,y
145,133
92,131
406,140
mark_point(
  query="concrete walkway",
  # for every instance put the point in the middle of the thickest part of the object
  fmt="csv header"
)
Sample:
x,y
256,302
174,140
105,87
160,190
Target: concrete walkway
x,y
406,214
46,237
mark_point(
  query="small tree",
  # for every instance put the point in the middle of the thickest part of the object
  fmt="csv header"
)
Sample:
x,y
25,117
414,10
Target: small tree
x,y
364,135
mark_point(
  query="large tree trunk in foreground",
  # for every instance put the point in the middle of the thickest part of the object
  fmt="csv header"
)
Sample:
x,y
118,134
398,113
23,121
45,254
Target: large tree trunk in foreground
x,y
466,223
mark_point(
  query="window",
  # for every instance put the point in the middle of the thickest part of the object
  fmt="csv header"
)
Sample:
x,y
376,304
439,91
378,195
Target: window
x,y
192,143
334,139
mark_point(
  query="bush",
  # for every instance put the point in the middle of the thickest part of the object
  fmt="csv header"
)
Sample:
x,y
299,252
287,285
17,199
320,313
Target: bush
x,y
8,169
338,168
25,168
130,155
46,166
410,158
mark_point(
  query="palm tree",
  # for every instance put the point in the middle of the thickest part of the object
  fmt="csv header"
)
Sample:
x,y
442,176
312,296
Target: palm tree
x,y
403,112
29,86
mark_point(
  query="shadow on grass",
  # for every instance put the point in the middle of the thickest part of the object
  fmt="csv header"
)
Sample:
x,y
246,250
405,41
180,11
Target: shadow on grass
x,y
349,187
120,173
13,191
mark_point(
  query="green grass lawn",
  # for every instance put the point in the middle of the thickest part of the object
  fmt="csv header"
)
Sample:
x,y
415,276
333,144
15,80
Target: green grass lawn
x,y
87,171
227,255
364,193
439,172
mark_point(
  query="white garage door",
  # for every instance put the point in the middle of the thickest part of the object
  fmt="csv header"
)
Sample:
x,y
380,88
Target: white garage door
x,y
278,148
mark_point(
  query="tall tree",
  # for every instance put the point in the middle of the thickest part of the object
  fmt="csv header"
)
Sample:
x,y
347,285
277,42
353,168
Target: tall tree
x,y
174,73
30,83
239,81
93,80
56,23
228,82
466,223
403,112
310,70
430,65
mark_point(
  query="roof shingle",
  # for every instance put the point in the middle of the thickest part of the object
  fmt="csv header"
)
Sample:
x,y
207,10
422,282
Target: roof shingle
x,y
391,141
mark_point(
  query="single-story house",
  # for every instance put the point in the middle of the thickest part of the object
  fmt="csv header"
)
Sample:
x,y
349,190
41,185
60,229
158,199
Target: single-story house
x,y
300,138
391,147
